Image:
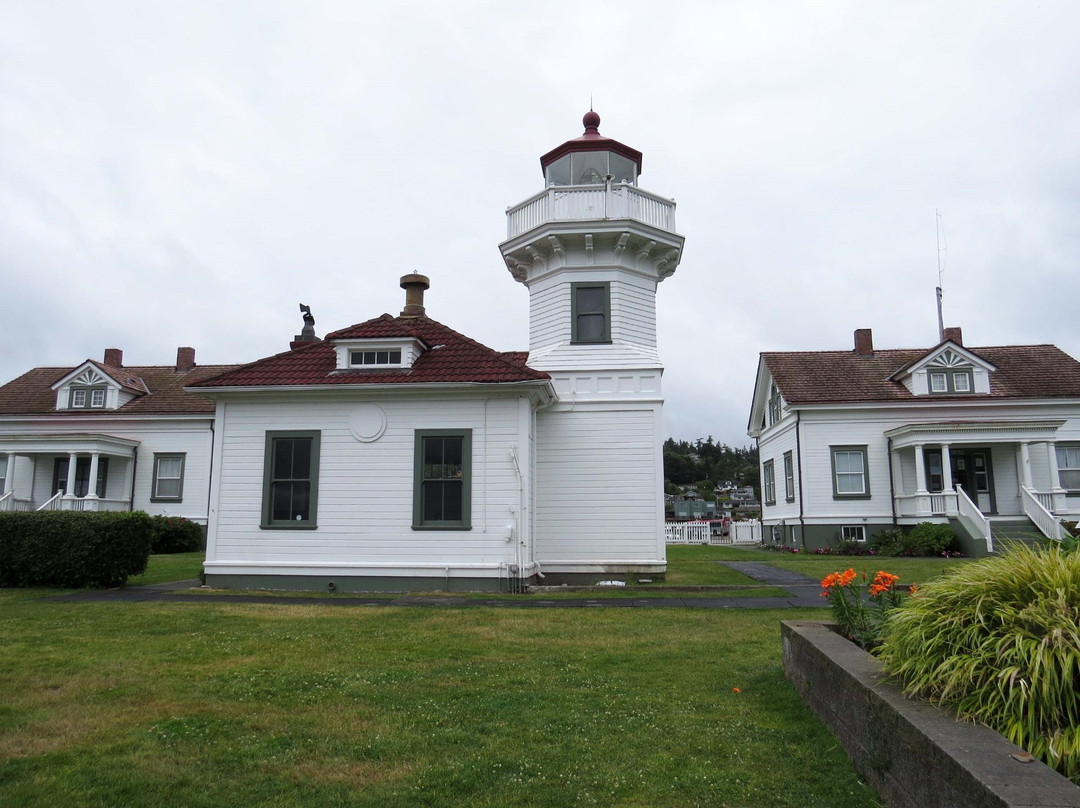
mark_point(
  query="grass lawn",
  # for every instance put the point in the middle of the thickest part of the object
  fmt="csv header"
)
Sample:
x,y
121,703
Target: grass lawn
x,y
205,704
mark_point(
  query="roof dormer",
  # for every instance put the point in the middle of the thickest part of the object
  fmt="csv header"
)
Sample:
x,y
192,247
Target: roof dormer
x,y
947,370
98,386
377,354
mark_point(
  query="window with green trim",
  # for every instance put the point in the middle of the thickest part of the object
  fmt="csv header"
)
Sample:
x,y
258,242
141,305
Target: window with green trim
x,y
168,482
442,486
590,312
789,477
291,480
951,381
850,477
768,482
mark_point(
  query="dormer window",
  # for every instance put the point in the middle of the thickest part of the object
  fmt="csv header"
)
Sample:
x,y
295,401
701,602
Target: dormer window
x,y
87,398
368,358
377,354
950,373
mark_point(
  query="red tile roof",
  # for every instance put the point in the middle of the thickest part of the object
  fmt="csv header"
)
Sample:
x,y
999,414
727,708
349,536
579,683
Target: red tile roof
x,y
819,377
448,358
161,388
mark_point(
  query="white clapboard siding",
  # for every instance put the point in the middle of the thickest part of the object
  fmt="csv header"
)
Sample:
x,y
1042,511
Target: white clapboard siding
x,y
598,495
365,496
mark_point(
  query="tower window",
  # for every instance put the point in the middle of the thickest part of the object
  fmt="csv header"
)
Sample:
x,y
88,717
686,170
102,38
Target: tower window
x,y
591,312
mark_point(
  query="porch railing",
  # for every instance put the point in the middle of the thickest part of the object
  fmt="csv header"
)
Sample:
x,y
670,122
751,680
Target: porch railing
x,y
8,502
1036,509
53,502
58,502
973,518
941,503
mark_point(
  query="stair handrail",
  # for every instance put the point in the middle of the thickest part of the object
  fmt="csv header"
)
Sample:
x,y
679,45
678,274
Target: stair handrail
x,y
4,500
968,509
1045,521
53,503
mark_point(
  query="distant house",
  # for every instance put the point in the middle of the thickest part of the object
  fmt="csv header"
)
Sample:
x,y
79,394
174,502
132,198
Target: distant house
x,y
855,441
105,436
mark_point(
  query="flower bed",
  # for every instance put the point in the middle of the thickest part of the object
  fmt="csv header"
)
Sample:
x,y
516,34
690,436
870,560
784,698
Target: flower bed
x,y
910,752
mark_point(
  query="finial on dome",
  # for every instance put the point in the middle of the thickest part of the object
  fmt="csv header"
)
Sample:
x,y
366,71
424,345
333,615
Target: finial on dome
x,y
591,121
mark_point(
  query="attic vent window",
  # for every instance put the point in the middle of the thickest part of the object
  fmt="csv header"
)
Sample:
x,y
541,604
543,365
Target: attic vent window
x,y
366,358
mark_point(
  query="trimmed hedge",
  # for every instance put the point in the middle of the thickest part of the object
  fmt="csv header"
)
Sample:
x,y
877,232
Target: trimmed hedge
x,y
175,534
73,549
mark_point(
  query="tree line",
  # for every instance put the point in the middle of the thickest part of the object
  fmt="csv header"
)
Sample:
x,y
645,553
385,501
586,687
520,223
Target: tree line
x,y
706,463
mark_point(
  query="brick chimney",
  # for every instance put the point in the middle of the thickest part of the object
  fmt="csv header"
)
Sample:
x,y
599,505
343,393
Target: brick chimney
x,y
864,342
185,359
114,358
954,334
414,286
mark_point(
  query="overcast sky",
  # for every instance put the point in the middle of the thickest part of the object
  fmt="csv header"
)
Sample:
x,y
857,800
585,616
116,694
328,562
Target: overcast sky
x,y
185,173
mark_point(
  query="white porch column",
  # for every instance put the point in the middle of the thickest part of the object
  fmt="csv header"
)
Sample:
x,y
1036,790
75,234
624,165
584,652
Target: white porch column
x,y
69,490
922,496
947,487
91,491
1025,464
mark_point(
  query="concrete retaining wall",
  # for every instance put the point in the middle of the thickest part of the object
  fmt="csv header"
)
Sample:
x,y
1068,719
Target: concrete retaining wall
x,y
912,753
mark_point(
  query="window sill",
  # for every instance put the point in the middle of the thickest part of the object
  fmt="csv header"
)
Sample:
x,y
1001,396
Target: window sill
x,y
851,496
173,500
289,526
442,527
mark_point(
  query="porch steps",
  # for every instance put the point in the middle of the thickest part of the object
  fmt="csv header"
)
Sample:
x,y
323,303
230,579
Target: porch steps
x,y
1021,530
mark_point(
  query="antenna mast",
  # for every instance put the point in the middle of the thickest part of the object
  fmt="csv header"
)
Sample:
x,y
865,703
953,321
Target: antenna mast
x,y
940,232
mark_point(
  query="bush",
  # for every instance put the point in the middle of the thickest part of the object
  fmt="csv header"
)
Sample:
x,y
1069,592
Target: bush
x,y
999,639
175,534
73,549
925,539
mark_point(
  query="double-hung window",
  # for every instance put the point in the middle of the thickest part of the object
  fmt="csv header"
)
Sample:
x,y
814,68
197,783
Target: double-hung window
x,y
442,484
291,480
168,482
590,305
768,482
789,477
1068,458
851,479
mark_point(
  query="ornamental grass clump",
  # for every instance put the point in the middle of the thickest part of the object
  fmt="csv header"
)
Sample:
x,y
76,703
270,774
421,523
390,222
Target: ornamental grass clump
x,y
999,640
861,614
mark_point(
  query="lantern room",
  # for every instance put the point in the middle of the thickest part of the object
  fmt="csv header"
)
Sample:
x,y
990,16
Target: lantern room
x,y
591,159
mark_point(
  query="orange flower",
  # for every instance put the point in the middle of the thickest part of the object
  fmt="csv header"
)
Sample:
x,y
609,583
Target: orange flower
x,y
913,588
883,582
736,690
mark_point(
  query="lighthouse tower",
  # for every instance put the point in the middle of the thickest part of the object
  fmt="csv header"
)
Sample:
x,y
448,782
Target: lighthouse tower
x,y
591,249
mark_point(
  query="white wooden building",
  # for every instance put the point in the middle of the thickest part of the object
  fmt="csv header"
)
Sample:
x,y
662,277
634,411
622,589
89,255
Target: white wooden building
x,y
105,436
400,454
851,442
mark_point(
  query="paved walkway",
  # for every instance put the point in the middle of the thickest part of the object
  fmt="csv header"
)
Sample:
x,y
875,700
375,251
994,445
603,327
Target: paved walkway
x,y
803,593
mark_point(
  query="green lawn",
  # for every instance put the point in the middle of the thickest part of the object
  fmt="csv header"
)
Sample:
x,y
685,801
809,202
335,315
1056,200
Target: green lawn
x,y
205,704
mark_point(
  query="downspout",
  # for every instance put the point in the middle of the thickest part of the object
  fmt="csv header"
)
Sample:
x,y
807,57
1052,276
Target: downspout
x,y
798,454
134,469
210,477
892,483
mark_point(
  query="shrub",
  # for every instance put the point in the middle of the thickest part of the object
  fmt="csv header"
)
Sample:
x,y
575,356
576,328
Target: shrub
x,y
72,549
999,639
925,539
175,534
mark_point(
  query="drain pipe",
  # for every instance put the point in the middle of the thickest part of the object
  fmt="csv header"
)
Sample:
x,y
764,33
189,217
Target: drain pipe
x,y
798,454
892,485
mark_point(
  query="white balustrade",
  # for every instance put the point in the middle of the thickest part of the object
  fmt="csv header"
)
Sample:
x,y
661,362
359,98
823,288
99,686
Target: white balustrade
x,y
746,532
53,503
1035,508
967,510
570,202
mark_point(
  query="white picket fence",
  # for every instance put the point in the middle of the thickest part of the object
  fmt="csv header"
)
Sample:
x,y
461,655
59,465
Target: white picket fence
x,y
709,533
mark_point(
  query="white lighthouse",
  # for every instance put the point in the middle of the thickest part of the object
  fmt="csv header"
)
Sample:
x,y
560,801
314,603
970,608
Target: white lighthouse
x,y
591,248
